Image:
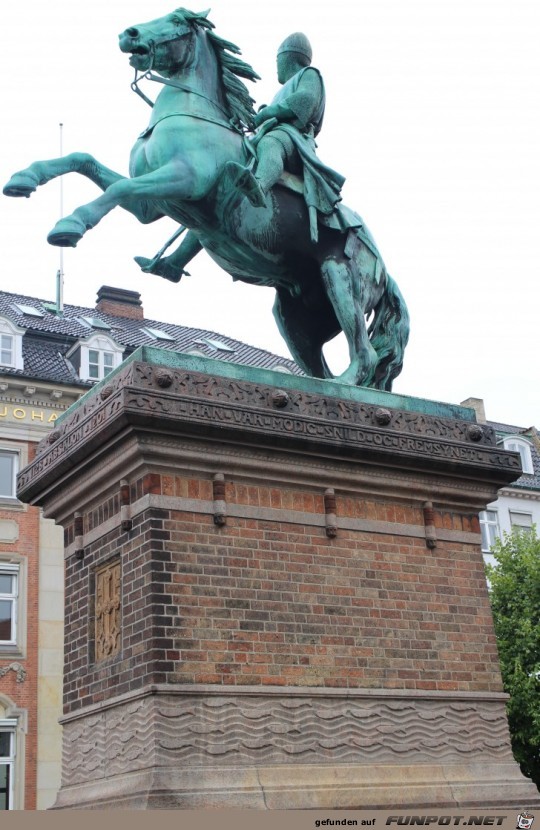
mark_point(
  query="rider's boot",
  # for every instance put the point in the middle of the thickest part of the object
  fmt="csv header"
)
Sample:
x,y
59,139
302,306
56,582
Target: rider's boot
x,y
162,267
246,182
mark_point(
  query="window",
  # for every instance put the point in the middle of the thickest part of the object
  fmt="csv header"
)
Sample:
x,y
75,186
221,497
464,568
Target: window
x,y
489,527
100,363
521,521
156,334
524,449
214,345
9,594
8,474
94,323
7,760
10,344
95,357
6,350
30,310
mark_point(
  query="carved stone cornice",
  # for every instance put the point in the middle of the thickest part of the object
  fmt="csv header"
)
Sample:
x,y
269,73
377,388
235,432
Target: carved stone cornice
x,y
519,493
16,389
182,403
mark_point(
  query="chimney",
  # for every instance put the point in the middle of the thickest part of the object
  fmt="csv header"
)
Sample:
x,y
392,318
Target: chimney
x,y
478,405
120,302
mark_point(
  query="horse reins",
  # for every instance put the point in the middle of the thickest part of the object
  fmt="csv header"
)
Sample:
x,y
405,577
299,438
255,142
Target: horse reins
x,y
151,76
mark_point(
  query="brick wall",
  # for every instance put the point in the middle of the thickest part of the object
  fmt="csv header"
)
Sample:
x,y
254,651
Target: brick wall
x,y
24,694
277,602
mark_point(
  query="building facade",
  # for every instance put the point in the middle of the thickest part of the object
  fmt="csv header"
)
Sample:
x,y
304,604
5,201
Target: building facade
x,y
517,505
48,358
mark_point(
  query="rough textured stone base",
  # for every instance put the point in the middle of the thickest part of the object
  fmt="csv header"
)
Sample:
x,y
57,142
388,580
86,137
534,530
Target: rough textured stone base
x,y
291,749
308,787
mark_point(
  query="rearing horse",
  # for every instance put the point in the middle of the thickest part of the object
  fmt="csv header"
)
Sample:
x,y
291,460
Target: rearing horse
x,y
178,168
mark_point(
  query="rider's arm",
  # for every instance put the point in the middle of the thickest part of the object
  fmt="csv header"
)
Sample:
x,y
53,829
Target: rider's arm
x,y
299,107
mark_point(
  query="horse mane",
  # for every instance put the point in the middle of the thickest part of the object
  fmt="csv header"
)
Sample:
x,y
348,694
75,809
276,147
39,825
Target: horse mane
x,y
237,97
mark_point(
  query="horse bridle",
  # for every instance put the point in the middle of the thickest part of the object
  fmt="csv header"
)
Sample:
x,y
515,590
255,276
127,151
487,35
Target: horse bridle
x,y
151,76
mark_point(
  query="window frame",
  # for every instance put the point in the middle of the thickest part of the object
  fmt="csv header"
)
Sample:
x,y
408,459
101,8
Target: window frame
x,y
13,570
16,456
9,726
520,445
11,349
103,347
9,329
102,369
521,527
16,648
485,524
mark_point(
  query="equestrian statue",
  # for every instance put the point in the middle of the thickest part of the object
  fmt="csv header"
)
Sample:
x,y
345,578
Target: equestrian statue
x,y
250,190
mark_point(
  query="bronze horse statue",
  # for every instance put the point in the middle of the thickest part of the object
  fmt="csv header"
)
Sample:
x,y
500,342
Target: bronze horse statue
x,y
178,168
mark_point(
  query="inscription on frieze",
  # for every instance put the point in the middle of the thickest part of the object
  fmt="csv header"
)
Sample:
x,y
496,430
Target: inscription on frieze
x,y
289,424
312,405
138,390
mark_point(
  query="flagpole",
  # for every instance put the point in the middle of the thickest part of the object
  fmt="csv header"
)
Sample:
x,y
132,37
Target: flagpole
x,y
60,272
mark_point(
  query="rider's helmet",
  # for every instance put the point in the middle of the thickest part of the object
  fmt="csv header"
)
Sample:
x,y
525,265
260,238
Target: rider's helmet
x,y
300,45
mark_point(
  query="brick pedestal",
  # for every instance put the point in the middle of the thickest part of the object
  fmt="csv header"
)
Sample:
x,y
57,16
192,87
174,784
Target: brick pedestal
x,y
275,595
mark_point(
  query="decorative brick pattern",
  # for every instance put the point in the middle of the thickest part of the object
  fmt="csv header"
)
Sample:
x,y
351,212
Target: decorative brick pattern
x,y
191,730
108,614
259,602
273,497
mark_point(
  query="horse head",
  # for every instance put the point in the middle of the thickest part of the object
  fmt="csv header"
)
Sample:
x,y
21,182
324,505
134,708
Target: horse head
x,y
183,41
166,44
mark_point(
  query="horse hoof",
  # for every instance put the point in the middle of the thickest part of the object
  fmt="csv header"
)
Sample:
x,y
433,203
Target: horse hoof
x,y
21,184
350,376
66,233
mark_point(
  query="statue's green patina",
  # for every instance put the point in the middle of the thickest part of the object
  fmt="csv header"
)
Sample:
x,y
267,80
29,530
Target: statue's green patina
x,y
242,199
285,139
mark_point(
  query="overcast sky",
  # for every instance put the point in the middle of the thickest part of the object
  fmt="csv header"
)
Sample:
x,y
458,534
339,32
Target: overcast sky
x,y
432,115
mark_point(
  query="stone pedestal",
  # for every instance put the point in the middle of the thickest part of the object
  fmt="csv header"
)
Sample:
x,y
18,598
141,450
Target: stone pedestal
x,y
275,595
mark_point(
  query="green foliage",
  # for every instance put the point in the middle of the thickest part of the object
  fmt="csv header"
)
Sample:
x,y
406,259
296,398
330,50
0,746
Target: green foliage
x,y
515,600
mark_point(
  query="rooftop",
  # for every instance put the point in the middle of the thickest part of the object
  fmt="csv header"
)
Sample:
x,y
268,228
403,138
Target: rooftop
x,y
119,315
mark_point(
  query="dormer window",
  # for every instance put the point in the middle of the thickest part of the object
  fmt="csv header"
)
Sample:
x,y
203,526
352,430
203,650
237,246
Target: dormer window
x,y
6,349
524,449
10,345
100,363
95,357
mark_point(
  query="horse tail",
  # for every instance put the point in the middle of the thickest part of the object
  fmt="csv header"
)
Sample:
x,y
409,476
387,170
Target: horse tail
x,y
388,334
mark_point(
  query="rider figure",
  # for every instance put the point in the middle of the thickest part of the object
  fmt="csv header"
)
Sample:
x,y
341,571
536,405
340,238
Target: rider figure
x,y
286,138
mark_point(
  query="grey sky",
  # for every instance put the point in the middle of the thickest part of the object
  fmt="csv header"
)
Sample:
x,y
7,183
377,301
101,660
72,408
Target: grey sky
x,y
432,115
